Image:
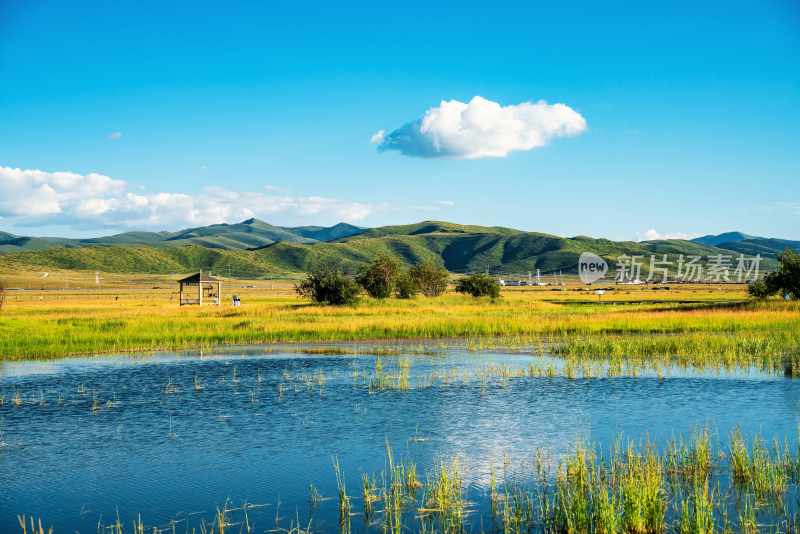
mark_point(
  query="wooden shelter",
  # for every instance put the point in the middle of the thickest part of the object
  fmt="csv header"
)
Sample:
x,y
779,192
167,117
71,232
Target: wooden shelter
x,y
199,288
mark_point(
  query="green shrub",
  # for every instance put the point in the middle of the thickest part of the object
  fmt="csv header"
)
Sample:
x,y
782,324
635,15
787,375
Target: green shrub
x,y
431,279
329,285
406,287
379,278
760,289
479,285
786,280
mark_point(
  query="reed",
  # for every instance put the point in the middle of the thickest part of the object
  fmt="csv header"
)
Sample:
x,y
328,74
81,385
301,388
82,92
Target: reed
x,y
759,470
690,461
36,526
344,498
697,510
368,495
444,506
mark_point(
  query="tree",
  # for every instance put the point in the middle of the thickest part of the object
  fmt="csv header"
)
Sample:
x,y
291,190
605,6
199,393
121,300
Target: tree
x,y
479,285
406,287
430,278
329,285
786,280
379,278
760,289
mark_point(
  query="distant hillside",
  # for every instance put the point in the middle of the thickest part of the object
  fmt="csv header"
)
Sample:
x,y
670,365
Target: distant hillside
x,y
322,233
459,248
718,239
248,234
748,244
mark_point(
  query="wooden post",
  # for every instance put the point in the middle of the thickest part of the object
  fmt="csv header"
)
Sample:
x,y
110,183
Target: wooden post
x,y
219,293
200,288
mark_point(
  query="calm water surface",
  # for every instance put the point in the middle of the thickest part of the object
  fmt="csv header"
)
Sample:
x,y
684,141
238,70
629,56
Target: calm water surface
x,y
93,436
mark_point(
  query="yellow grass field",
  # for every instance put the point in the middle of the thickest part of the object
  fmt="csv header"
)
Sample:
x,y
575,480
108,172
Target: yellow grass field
x,y
67,313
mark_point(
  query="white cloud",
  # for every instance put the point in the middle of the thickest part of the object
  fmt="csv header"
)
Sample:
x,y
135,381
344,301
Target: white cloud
x,y
445,203
377,137
481,129
115,135
653,235
34,197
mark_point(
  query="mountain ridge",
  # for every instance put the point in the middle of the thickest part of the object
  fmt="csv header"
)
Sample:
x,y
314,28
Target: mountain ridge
x,y
251,233
247,249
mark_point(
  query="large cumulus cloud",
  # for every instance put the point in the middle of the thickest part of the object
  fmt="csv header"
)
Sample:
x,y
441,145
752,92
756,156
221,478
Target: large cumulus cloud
x,y
35,197
481,128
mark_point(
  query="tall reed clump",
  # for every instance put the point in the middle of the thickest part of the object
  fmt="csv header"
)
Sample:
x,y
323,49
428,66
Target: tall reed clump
x,y
443,505
36,526
758,470
697,510
643,498
344,498
690,461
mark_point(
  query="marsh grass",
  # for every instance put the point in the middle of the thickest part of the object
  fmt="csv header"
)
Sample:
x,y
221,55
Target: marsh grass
x,y
759,470
634,489
343,497
692,326
29,525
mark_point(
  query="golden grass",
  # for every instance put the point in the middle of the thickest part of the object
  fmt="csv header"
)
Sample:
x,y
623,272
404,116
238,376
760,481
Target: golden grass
x,y
689,322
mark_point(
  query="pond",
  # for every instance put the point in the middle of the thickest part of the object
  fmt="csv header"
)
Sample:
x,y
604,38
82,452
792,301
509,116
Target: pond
x,y
174,437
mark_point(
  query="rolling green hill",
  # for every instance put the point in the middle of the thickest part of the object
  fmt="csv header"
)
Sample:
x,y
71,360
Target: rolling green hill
x,y
459,248
322,233
248,234
748,244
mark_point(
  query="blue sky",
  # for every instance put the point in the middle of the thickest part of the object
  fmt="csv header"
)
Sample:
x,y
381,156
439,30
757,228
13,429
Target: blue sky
x,y
691,115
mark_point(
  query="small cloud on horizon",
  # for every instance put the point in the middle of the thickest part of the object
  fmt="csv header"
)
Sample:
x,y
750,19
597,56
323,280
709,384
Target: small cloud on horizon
x,y
481,128
653,235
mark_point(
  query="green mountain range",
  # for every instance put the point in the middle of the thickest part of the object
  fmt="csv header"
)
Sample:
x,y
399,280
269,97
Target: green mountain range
x,y
248,234
255,249
748,244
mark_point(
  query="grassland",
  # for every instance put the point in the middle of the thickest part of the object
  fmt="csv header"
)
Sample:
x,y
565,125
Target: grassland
x,y
689,325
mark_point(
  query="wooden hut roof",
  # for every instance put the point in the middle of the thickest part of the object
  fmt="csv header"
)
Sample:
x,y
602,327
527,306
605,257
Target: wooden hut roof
x,y
196,278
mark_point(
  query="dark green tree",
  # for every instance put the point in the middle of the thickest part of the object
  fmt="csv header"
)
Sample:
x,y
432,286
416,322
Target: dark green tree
x,y
786,280
379,278
479,285
406,287
327,284
431,278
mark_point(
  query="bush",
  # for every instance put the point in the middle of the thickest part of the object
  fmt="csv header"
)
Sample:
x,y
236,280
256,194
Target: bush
x,y
479,285
380,277
785,280
760,289
329,285
406,287
430,278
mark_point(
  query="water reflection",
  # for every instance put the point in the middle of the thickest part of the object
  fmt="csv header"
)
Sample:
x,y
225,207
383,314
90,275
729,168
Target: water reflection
x,y
179,433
